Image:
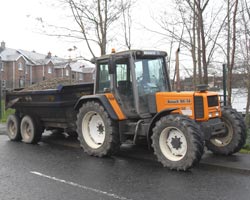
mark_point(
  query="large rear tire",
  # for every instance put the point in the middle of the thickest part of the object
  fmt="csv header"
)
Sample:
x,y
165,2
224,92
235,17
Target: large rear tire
x,y
13,128
177,142
31,130
234,138
97,132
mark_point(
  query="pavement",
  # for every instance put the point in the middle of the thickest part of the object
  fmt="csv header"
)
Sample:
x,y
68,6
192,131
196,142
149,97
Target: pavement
x,y
238,162
2,129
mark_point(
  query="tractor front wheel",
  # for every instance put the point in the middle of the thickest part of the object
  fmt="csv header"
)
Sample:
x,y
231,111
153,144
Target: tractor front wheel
x,y
177,142
234,138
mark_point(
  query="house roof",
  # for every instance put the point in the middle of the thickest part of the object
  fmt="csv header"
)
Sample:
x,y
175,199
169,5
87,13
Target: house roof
x,y
61,65
88,70
9,54
83,67
35,59
41,59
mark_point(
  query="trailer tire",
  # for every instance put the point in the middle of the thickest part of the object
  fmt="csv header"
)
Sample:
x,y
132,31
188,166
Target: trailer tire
x,y
72,134
97,132
13,128
31,130
235,137
177,142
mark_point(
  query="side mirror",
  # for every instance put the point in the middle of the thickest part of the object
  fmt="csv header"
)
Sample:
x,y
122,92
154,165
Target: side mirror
x,y
111,65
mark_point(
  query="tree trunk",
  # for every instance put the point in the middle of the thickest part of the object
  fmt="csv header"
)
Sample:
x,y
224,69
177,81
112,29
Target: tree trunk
x,y
248,94
199,50
231,66
203,43
177,68
194,49
228,40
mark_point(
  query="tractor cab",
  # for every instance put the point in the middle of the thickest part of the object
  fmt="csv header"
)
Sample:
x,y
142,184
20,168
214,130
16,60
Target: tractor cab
x,y
133,77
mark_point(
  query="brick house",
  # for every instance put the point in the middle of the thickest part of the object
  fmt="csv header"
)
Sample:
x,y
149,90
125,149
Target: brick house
x,y
20,68
81,72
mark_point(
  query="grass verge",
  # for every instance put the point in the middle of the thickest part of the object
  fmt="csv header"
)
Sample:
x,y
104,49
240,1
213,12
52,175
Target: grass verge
x,y
5,113
246,148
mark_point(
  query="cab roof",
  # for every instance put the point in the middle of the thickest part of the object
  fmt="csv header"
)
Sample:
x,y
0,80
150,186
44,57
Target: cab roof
x,y
141,53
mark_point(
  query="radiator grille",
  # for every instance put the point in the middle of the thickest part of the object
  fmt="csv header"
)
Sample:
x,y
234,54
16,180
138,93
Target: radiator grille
x,y
212,101
198,107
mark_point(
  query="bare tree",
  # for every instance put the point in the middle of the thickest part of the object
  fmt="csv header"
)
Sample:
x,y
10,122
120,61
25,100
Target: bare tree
x,y
201,35
193,50
245,47
206,40
127,22
93,20
230,66
96,17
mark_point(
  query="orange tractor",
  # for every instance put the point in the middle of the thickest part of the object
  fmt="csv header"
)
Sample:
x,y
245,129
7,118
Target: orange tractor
x,y
131,100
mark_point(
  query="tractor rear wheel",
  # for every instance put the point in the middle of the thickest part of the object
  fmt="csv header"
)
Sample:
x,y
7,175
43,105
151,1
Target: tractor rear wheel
x,y
97,132
234,138
177,142
13,128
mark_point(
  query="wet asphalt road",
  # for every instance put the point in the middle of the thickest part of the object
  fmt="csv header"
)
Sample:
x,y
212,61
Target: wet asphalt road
x,y
48,171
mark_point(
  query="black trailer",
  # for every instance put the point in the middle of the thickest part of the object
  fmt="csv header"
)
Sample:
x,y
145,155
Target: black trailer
x,y
37,110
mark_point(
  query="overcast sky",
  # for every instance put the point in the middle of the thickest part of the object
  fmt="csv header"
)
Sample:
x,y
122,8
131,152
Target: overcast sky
x,y
20,30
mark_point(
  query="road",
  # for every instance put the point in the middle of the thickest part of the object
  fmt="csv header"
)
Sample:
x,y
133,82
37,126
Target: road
x,y
61,171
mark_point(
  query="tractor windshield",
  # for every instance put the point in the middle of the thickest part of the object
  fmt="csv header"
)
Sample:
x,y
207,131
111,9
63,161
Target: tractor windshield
x,y
150,75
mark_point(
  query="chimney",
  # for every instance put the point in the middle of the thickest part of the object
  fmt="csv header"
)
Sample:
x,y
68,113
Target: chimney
x,y
49,55
2,46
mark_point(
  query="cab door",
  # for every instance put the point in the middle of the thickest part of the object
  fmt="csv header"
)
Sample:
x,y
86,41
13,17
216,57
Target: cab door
x,y
103,78
123,86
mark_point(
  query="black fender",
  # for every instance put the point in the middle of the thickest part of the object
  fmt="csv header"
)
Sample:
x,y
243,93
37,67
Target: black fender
x,y
156,118
99,98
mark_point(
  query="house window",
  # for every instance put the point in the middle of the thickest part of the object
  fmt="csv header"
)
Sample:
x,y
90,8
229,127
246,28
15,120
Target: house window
x,y
2,66
4,83
67,72
20,66
26,69
80,77
49,69
21,82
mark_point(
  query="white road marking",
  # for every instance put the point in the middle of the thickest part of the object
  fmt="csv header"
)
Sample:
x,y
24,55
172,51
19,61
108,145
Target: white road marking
x,y
80,186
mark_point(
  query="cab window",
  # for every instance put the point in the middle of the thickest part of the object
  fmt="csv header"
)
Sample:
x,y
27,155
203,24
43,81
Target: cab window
x,y
123,82
103,81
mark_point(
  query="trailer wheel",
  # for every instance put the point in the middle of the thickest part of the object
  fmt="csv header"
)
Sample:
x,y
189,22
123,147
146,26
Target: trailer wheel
x,y
72,134
31,130
13,128
234,138
97,133
177,142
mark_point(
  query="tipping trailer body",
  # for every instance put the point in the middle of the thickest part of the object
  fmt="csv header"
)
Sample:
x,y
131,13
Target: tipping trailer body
x,y
54,108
